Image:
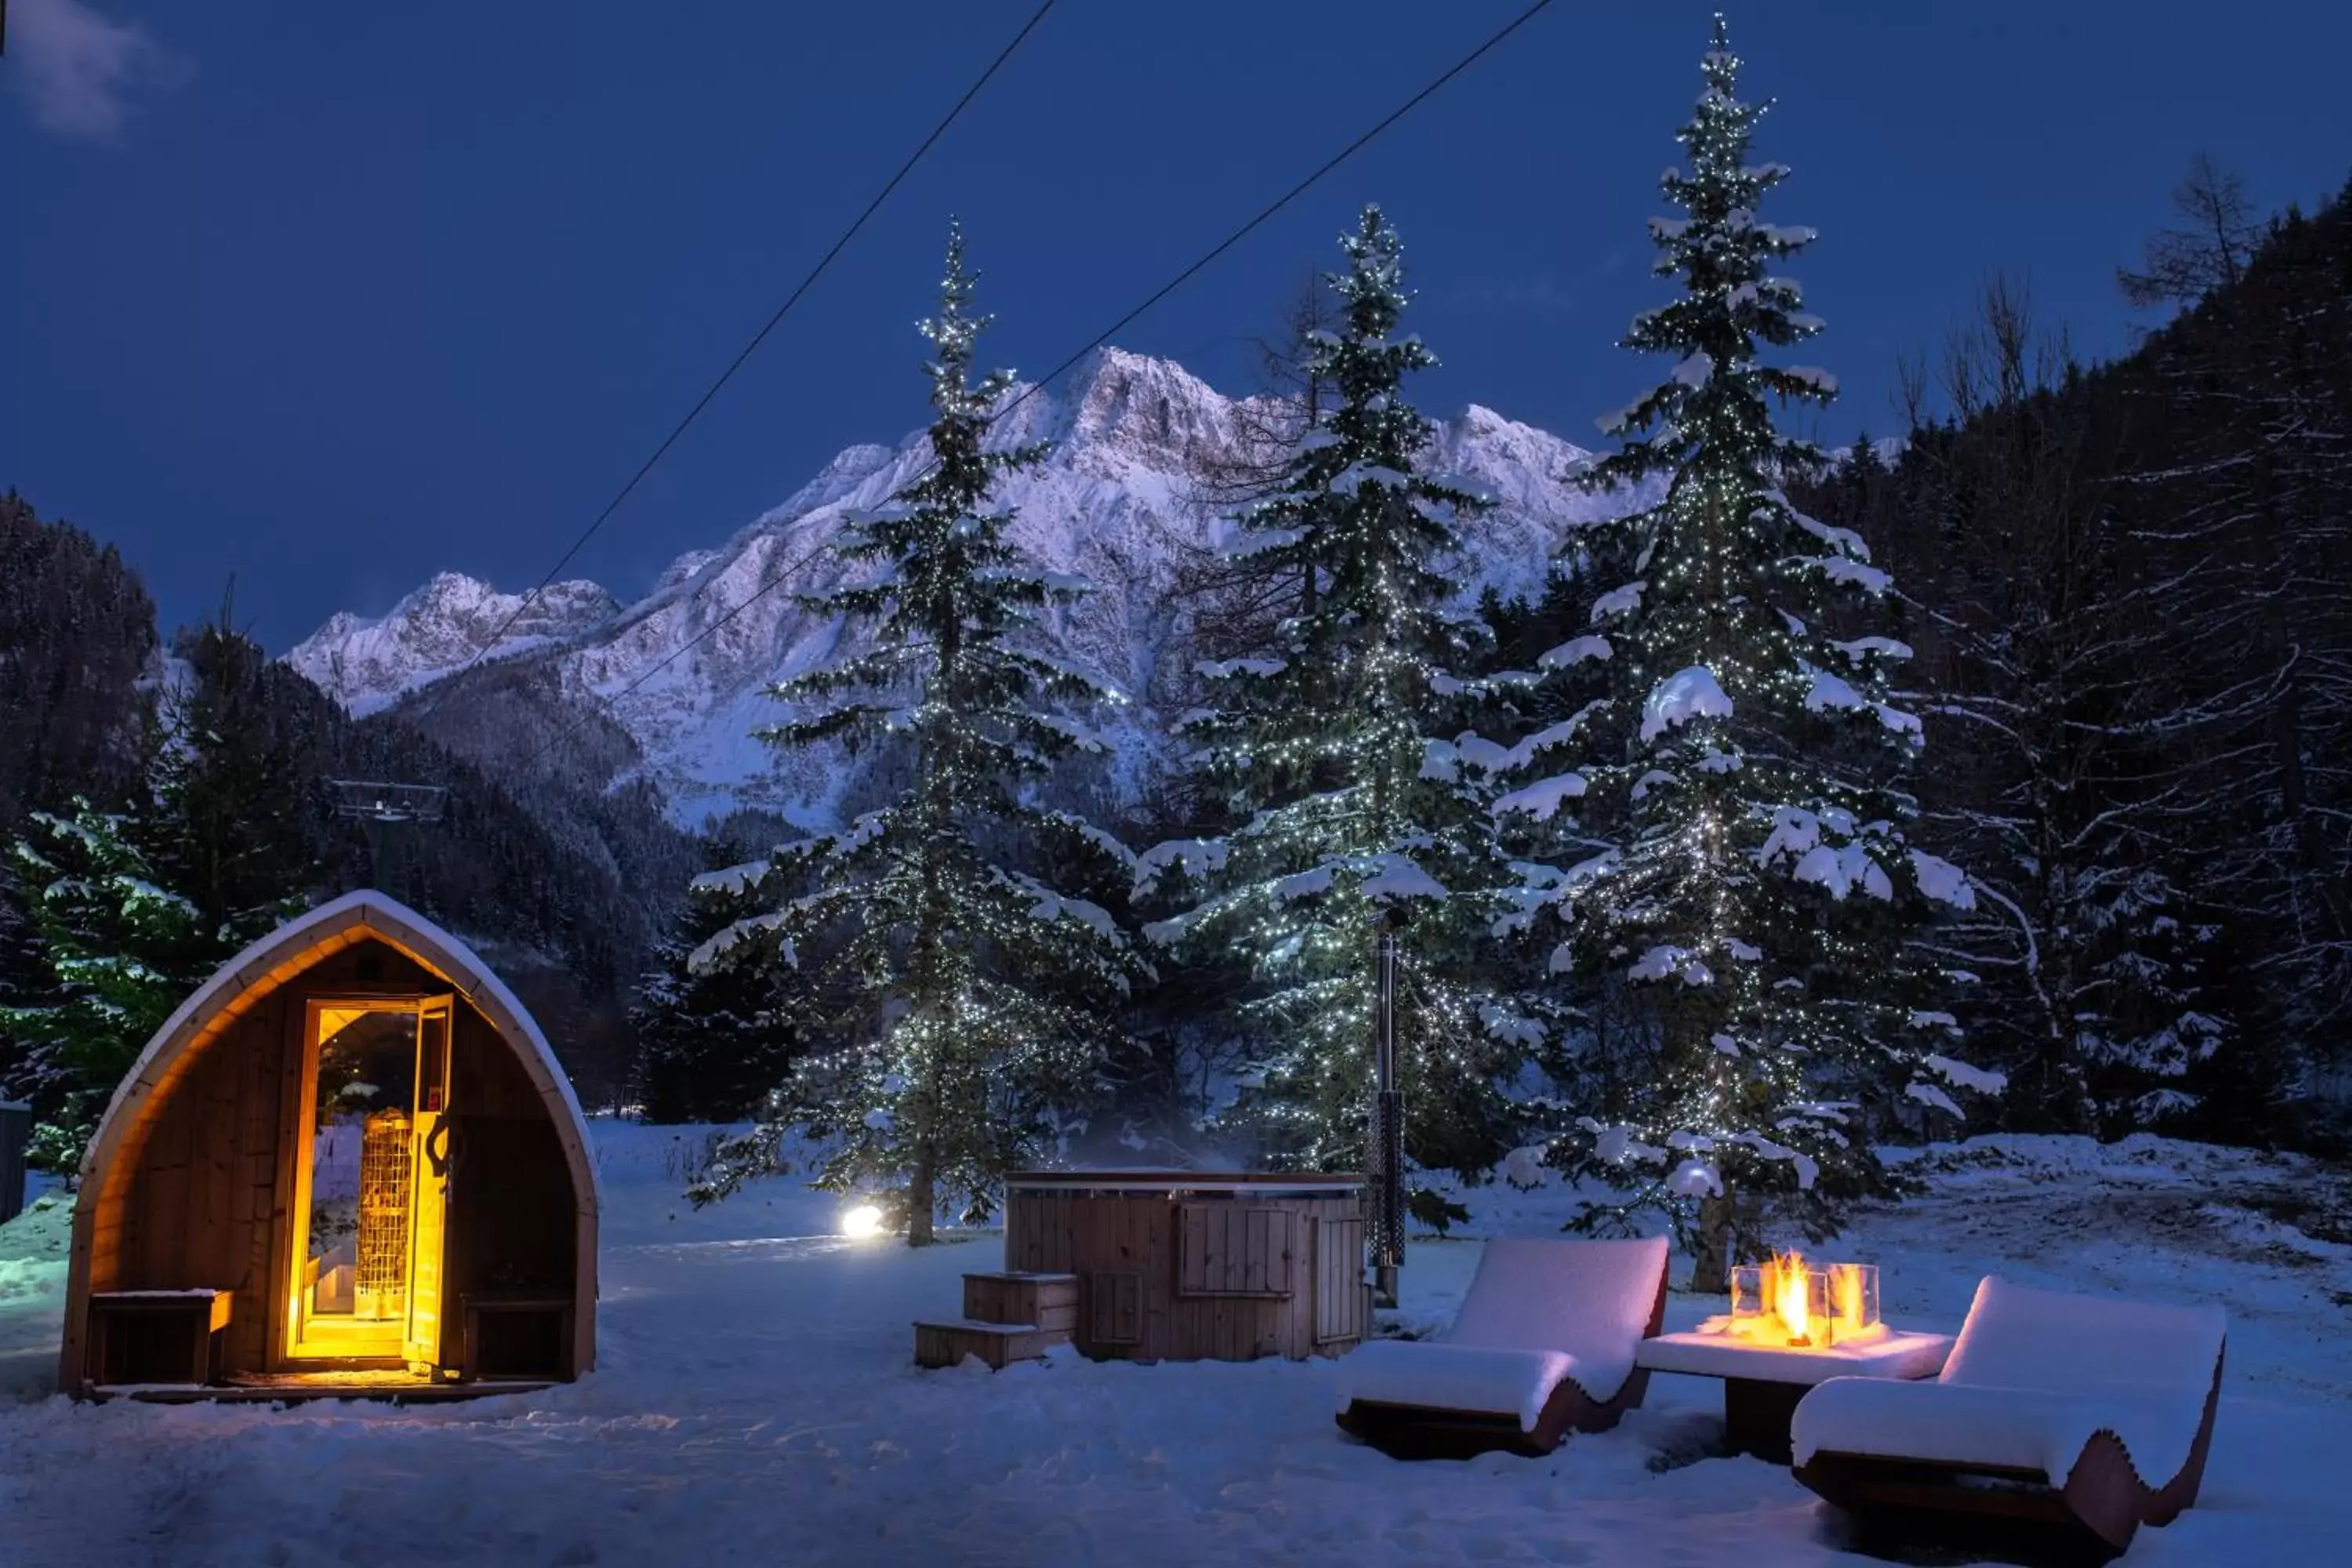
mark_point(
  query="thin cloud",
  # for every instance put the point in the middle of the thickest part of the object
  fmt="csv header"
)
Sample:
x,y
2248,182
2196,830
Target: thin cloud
x,y
79,71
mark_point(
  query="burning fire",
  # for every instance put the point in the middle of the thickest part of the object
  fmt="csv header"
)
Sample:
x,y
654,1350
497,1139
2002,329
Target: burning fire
x,y
1788,1296
1792,1303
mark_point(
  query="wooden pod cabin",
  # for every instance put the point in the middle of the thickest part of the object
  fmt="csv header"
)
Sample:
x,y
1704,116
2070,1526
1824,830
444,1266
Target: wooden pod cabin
x,y
349,1161
1192,1265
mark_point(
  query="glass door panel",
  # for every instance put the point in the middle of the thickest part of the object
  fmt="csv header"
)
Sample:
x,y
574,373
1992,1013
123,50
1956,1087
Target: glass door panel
x,y
362,1196
429,1182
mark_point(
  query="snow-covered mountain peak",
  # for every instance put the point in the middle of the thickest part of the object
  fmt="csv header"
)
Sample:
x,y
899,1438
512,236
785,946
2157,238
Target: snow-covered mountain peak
x,y
850,468
1140,409
1117,501
368,663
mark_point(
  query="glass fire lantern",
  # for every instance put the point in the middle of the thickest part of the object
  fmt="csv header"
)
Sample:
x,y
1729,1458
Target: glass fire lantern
x,y
1854,1298
1789,1302
1747,1300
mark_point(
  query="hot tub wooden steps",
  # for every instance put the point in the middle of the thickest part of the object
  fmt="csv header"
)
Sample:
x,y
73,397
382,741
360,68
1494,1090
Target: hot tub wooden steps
x,y
1049,1302
1007,1317
998,1344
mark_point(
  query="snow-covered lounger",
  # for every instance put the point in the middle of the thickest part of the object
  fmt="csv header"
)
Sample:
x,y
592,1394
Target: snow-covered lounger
x,y
2082,1414
1542,1346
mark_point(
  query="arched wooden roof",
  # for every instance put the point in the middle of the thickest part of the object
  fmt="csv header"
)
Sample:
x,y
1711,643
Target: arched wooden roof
x,y
297,946
274,960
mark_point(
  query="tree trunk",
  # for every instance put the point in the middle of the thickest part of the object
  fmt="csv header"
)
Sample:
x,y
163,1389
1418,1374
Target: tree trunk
x,y
920,1201
1711,1275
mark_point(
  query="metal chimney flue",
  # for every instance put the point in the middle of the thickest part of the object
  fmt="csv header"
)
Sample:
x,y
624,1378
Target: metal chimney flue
x,y
1388,1132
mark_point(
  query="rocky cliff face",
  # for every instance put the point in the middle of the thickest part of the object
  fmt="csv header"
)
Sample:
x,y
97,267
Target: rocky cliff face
x,y
1116,502
367,664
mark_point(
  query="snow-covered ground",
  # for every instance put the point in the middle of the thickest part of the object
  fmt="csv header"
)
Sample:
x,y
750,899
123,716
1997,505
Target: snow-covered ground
x,y
756,1404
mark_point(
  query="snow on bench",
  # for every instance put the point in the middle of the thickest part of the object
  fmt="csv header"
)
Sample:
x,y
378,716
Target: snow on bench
x,y
1539,1313
2035,1376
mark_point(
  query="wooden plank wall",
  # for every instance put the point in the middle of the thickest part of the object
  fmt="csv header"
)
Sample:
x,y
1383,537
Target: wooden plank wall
x,y
511,1226
1116,1300
1341,1304
198,1203
1131,1248
1235,1249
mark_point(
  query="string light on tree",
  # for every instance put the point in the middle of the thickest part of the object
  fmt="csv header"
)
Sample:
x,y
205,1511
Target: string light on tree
x,y
1739,857
968,1000
1332,749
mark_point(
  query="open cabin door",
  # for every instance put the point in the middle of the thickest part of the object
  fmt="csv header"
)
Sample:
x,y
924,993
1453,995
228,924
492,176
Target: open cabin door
x,y
428,1231
372,1182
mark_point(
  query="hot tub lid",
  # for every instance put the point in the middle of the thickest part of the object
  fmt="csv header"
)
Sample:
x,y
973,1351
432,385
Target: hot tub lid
x,y
1256,1184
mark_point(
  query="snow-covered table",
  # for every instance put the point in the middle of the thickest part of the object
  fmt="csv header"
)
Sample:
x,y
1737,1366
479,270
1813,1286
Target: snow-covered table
x,y
1762,1383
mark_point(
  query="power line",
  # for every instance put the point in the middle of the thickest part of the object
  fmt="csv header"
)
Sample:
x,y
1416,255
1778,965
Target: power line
x,y
1284,200
778,579
750,348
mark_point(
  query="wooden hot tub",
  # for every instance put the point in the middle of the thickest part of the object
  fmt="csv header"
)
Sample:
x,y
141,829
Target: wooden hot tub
x,y
1192,1265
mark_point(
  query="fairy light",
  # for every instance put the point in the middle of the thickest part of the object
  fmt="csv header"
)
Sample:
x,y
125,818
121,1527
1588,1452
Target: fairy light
x,y
970,998
1318,743
1759,874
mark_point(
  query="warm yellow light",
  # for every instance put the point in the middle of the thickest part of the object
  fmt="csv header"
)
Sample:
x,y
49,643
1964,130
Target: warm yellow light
x,y
1787,1302
861,1222
1790,1294
1846,1280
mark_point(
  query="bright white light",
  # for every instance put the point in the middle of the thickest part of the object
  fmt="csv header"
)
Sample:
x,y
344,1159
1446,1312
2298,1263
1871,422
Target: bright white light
x,y
861,1222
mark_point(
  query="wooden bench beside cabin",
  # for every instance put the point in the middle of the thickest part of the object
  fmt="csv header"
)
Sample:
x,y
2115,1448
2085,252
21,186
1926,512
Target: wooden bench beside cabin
x,y
157,1336
516,1337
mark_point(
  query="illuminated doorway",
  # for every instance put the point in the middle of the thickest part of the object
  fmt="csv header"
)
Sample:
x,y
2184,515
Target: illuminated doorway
x,y
371,1181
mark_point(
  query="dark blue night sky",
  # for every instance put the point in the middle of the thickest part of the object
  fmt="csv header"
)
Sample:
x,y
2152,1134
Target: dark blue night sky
x,y
358,293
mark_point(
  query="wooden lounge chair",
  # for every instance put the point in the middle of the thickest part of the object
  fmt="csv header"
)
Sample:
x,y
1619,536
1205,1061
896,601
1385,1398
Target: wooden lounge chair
x,y
2066,1420
1542,1346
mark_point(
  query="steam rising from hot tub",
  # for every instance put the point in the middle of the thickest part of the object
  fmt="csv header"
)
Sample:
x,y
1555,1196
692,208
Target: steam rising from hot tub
x,y
1131,1147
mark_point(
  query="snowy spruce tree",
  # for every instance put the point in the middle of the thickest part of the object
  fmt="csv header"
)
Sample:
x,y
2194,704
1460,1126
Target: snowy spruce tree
x,y
1736,863
116,953
959,1006
711,1043
237,793
1332,750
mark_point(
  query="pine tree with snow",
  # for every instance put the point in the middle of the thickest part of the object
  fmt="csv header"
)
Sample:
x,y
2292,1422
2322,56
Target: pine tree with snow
x,y
959,1003
120,953
711,1043
238,796
1332,747
1736,865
